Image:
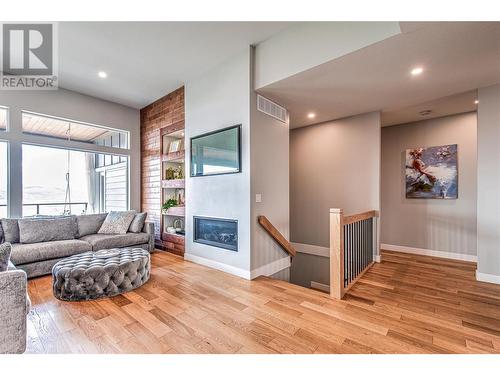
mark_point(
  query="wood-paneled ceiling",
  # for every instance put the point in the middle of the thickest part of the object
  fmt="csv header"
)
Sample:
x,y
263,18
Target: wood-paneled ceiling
x,y
63,129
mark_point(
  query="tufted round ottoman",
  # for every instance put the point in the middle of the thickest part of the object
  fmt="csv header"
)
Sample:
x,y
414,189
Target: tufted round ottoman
x,y
83,277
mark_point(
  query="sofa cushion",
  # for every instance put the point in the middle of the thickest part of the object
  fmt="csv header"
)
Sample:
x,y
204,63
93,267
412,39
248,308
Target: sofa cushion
x,y
4,256
137,223
1,233
89,224
117,222
10,230
36,252
109,241
44,230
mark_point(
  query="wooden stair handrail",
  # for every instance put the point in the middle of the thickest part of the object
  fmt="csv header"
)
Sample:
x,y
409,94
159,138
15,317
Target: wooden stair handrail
x,y
359,217
277,236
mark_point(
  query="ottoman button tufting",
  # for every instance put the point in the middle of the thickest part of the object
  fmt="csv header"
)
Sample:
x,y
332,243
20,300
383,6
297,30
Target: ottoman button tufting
x,y
86,277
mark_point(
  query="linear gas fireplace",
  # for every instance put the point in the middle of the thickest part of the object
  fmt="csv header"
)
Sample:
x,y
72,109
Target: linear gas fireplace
x,y
216,232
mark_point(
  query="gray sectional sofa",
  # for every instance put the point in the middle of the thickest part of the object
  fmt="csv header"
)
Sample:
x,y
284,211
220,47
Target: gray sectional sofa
x,y
14,306
38,244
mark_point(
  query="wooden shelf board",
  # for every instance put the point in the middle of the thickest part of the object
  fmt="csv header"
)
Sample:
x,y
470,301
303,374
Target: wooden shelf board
x,y
173,184
174,157
176,214
172,234
178,134
170,129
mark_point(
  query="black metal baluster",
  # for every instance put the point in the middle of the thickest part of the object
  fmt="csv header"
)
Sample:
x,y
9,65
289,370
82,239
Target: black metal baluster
x,y
370,241
350,255
354,245
360,247
364,245
373,242
345,255
351,244
357,251
367,238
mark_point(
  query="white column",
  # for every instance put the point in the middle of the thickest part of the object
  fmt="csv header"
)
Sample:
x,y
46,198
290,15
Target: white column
x,y
15,181
488,185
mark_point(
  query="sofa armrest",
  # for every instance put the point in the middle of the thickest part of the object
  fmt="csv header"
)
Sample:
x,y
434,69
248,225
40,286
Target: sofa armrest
x,y
13,309
149,228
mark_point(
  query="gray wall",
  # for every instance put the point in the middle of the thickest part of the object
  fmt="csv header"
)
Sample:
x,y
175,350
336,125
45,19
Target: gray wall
x,y
488,172
432,224
269,141
74,106
333,165
221,98
218,99
307,268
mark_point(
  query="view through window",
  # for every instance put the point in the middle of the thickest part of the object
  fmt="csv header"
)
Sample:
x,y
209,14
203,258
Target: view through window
x,y
58,181
3,179
3,118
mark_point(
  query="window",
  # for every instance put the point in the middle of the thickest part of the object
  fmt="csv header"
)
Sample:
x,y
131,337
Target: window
x,y
3,178
76,131
3,118
73,184
115,140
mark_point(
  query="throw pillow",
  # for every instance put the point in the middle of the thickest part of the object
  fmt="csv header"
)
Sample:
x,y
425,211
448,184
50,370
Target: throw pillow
x,y
117,222
138,223
45,230
89,224
4,256
10,230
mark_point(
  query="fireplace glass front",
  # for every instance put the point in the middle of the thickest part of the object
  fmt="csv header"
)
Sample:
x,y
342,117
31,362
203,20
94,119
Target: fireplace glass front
x,y
221,233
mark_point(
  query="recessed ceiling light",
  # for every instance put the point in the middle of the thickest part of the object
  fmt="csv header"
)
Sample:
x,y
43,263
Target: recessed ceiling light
x,y
417,71
426,112
102,74
476,101
311,115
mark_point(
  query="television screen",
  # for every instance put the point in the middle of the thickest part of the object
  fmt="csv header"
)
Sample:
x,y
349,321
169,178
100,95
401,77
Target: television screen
x,y
217,152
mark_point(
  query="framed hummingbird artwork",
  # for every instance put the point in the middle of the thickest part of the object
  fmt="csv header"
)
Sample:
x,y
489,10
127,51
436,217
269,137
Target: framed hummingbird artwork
x,y
432,172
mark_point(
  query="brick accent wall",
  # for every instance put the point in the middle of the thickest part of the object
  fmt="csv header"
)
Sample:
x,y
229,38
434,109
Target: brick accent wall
x,y
163,112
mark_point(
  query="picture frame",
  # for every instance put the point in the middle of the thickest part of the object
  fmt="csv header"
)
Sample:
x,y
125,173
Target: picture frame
x,y
175,146
216,153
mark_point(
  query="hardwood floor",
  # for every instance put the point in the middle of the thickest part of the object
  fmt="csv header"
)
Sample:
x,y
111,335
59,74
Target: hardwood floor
x,y
406,304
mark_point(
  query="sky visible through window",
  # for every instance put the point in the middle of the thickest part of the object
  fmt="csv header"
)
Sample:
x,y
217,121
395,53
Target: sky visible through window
x,y
44,178
3,179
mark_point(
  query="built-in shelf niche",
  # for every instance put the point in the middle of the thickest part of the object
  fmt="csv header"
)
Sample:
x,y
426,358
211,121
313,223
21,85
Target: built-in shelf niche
x,y
173,156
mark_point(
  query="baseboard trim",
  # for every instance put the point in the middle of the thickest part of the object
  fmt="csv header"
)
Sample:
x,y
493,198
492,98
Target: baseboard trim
x,y
304,248
271,268
433,253
320,286
487,278
218,266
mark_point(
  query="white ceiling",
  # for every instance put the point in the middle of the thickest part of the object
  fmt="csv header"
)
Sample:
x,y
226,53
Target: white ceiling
x,y
146,60
456,57
449,105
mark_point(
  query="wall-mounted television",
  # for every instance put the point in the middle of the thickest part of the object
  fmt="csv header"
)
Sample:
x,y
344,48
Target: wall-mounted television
x,y
218,152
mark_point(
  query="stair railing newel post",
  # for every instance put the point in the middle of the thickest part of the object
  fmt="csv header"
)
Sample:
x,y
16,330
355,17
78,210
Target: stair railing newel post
x,y
336,253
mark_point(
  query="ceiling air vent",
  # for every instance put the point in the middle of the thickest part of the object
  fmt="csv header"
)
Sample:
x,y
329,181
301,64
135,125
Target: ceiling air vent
x,y
272,109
